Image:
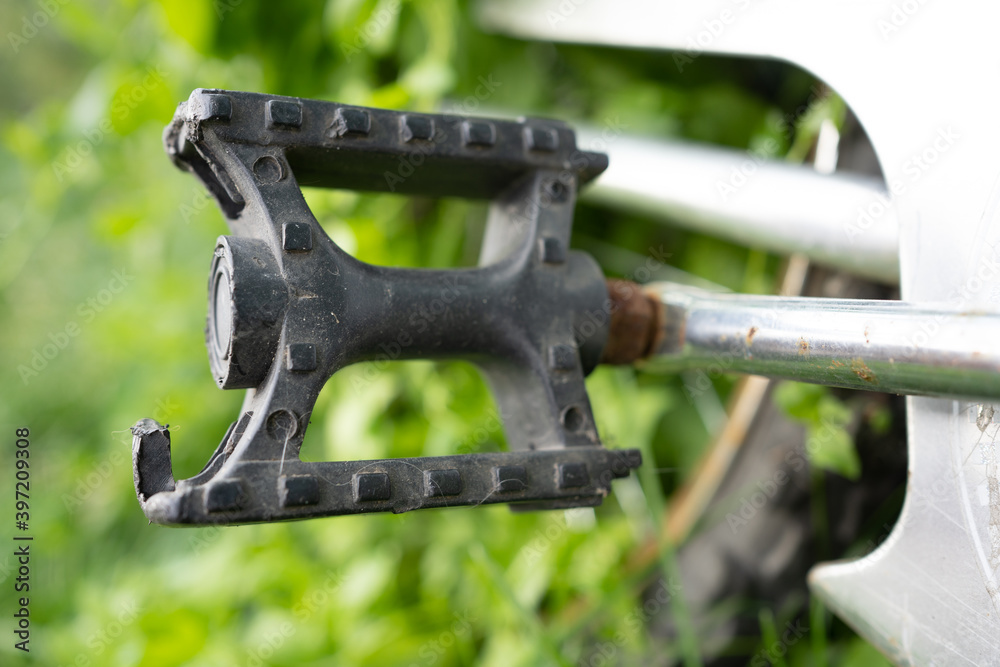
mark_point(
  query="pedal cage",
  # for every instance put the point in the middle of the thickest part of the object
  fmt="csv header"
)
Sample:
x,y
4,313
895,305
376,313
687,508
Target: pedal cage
x,y
288,308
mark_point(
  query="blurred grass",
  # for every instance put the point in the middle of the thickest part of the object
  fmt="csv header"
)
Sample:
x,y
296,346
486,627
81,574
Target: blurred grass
x,y
86,191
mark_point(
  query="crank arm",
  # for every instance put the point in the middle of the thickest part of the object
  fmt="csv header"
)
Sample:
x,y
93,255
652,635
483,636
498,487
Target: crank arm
x,y
896,347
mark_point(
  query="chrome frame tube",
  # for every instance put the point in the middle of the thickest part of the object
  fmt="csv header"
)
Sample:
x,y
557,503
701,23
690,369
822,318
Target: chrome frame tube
x,y
841,220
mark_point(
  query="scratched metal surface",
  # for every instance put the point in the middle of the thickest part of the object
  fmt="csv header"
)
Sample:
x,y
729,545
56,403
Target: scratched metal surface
x,y
919,76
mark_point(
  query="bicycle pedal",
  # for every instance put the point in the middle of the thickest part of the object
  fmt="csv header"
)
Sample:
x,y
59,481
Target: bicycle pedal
x,y
288,308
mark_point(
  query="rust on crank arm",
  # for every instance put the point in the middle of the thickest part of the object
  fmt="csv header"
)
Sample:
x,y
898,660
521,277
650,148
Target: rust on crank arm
x,y
893,347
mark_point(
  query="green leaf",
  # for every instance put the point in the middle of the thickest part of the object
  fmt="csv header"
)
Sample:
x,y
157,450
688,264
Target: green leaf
x,y
829,445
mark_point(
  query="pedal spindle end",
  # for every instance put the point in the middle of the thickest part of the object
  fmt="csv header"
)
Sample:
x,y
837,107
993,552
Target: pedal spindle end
x,y
247,300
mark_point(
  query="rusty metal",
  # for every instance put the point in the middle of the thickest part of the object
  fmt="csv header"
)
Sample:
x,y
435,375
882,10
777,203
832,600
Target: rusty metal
x,y
888,346
635,323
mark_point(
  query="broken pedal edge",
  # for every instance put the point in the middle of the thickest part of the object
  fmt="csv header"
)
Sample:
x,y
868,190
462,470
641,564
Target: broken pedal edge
x,y
275,490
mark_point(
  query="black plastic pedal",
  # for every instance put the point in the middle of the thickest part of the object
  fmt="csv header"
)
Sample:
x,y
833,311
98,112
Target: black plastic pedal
x,y
288,308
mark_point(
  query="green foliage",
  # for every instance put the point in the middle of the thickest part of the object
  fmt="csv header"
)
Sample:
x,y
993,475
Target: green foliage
x,y
104,248
829,445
